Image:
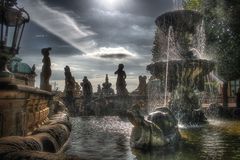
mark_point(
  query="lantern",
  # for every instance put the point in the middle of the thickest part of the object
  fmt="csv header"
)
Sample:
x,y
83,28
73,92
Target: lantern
x,y
12,23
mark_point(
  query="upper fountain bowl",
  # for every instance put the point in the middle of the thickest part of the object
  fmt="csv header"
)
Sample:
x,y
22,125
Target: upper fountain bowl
x,y
180,20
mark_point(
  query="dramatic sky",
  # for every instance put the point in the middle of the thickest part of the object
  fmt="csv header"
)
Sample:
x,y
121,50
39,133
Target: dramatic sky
x,y
92,37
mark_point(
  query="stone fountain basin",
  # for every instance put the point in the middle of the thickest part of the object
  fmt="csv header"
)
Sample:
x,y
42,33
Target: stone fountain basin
x,y
188,68
180,20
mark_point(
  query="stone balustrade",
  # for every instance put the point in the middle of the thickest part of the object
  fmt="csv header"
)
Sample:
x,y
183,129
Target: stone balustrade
x,y
22,109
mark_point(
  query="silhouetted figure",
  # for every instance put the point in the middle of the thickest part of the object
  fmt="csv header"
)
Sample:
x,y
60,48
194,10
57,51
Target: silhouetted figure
x,y
87,96
69,92
121,83
106,87
99,89
87,88
46,70
34,69
142,87
69,82
238,98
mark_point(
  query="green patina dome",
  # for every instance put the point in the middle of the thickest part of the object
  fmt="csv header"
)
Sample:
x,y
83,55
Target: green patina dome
x,y
18,67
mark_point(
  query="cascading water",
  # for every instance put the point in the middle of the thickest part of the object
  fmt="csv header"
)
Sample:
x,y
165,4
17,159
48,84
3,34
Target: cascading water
x,y
158,89
179,62
177,4
170,54
201,40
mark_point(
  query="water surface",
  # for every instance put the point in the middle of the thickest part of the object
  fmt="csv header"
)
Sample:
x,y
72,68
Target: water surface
x,y
107,138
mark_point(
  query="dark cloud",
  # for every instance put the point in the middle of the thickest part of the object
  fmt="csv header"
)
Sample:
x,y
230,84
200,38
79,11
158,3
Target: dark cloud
x,y
114,56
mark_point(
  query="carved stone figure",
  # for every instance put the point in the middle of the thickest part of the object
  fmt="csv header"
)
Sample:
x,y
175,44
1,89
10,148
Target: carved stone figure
x,y
46,70
70,91
159,130
99,90
121,83
34,69
87,96
142,87
69,82
87,88
106,87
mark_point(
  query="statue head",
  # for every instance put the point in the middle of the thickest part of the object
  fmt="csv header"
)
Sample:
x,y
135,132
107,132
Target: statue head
x,y
85,79
120,66
67,69
139,78
45,51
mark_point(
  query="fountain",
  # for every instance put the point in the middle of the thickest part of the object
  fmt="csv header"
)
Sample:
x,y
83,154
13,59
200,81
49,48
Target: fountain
x,y
177,61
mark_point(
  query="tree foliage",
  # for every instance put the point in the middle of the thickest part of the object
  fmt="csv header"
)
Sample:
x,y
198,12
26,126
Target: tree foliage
x,y
192,4
222,27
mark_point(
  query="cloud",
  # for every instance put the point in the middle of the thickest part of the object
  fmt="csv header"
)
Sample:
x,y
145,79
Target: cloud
x,y
114,56
112,53
107,37
59,23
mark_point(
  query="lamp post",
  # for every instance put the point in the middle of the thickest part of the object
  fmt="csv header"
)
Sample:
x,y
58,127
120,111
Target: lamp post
x,y
12,23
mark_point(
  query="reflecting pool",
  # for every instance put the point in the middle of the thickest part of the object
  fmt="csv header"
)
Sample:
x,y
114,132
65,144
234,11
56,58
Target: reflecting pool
x,y
107,138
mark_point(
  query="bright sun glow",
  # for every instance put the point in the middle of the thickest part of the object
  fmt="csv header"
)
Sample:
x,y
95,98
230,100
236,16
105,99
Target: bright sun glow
x,y
110,4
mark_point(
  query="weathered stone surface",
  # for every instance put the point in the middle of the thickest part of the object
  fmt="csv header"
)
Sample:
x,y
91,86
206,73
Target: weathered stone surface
x,y
16,143
48,138
22,109
177,19
159,130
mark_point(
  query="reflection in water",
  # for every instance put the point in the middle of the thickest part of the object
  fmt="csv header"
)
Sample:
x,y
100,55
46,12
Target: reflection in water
x,y
108,138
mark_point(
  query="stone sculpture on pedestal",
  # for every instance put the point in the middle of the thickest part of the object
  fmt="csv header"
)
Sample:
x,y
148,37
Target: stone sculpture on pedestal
x,y
121,83
69,91
106,87
142,87
46,70
87,88
87,96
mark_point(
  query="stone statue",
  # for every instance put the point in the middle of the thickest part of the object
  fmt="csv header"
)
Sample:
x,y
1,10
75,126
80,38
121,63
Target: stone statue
x,y
142,87
70,91
160,128
99,90
34,69
121,83
87,88
46,70
69,82
106,87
